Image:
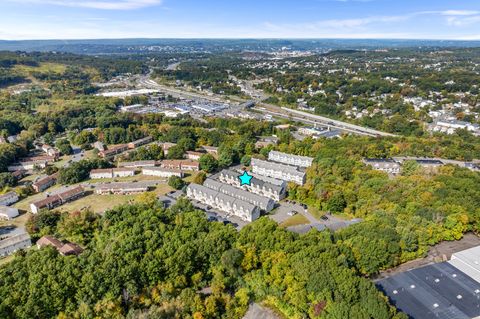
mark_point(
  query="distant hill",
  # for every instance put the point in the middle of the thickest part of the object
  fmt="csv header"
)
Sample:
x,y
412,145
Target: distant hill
x,y
129,46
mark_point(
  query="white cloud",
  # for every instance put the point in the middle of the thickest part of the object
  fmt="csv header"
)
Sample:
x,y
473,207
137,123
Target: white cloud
x,y
97,4
459,12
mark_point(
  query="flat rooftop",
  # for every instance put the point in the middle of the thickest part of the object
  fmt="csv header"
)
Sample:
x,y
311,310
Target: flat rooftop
x,y
435,291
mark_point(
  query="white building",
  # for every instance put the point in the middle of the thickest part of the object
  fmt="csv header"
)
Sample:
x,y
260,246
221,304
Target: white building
x,y
257,186
28,165
8,199
264,203
161,172
387,165
12,244
468,261
123,172
223,202
278,171
137,164
112,173
290,159
8,213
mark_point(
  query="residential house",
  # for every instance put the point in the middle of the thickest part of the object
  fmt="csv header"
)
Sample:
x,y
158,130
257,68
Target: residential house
x,y
193,155
114,150
64,248
140,142
182,165
137,164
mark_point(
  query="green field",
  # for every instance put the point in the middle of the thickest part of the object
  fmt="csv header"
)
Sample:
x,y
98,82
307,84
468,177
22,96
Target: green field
x,y
295,220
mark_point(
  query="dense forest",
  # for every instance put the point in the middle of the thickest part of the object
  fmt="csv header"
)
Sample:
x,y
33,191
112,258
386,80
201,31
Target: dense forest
x,y
143,261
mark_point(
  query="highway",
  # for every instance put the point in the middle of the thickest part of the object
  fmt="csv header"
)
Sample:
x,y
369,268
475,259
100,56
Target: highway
x,y
273,110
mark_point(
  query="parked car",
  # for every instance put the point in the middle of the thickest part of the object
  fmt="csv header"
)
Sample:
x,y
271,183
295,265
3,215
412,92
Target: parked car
x,y
324,217
212,219
292,213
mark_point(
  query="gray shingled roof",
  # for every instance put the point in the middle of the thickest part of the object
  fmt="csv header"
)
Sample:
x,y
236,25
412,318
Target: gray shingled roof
x,y
435,291
256,181
276,166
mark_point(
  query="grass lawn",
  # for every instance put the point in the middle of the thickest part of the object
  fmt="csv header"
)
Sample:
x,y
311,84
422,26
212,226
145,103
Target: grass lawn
x,y
6,260
191,176
97,203
295,220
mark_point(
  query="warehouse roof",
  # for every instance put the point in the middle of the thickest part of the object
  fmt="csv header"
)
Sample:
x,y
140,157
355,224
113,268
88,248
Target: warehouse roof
x,y
436,291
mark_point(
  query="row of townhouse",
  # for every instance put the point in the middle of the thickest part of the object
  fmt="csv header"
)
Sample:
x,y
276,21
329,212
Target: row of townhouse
x,y
57,200
8,199
264,203
118,149
257,186
137,164
279,171
45,183
182,165
162,172
393,166
29,165
121,189
8,213
290,159
12,244
223,202
112,173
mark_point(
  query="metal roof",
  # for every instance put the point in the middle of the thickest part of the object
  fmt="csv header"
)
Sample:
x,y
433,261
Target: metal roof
x,y
468,261
436,291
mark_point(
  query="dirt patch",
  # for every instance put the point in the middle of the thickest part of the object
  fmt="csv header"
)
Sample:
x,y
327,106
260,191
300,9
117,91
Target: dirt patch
x,y
438,253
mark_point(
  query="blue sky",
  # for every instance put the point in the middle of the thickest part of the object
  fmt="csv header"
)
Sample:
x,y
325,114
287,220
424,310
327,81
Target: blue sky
x,y
88,19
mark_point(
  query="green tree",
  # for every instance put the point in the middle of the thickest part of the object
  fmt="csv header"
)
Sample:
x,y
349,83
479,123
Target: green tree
x,y
176,182
208,163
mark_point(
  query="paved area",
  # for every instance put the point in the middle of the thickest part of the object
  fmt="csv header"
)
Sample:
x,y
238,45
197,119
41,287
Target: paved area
x,y
256,311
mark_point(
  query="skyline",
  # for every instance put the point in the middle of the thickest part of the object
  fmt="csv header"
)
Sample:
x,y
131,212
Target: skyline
x,y
309,19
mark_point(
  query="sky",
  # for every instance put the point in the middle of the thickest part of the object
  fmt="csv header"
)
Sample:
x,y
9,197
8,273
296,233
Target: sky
x,y
97,19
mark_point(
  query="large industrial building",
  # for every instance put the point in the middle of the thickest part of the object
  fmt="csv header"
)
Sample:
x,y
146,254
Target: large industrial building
x,y
279,171
448,290
223,202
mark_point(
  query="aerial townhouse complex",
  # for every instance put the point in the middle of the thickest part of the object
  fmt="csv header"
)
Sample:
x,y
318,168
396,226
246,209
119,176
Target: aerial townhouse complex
x,y
57,200
8,199
161,172
223,202
295,160
279,171
257,186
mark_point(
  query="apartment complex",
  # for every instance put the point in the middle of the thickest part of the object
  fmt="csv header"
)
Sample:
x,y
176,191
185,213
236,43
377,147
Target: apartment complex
x,y
161,172
45,183
279,171
257,186
223,202
8,199
57,200
289,159
14,243
264,203
182,165
121,189
387,165
112,173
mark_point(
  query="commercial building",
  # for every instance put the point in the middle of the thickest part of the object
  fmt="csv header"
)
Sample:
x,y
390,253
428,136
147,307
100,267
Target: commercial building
x,y
290,159
8,199
387,165
57,200
182,165
257,186
137,164
8,213
468,261
264,203
161,172
121,188
14,243
223,202
278,171
45,183
435,291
